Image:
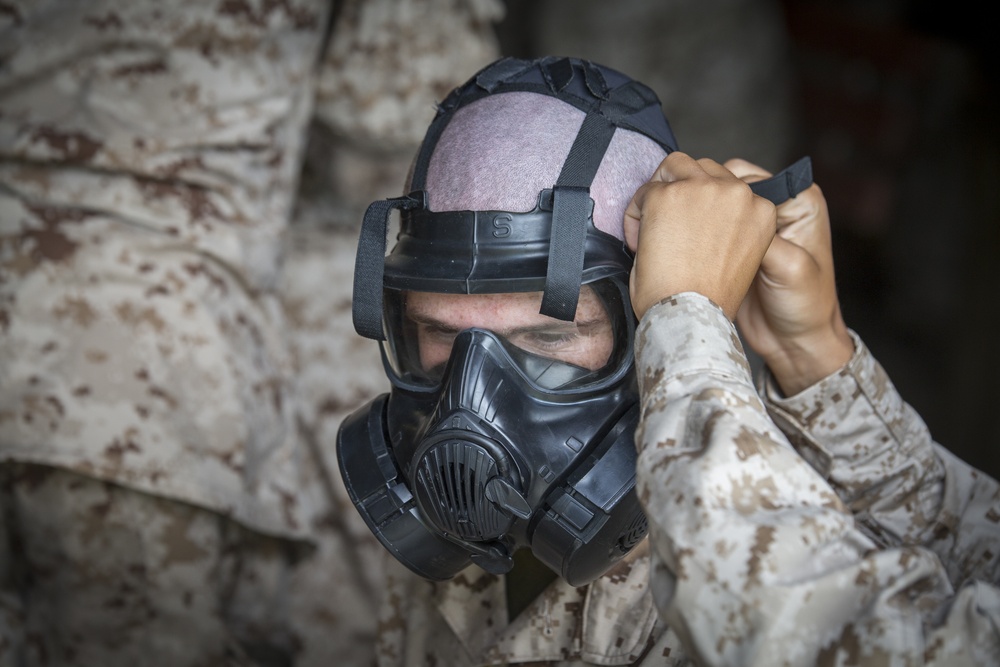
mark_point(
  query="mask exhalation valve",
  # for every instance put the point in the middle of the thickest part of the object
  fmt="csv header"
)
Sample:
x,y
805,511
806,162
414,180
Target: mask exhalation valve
x,y
462,487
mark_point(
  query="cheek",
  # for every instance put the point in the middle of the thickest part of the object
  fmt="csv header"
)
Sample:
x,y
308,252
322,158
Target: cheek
x,y
597,352
590,352
433,352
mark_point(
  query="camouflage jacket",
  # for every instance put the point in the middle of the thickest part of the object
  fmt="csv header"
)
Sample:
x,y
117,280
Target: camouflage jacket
x,y
174,351
464,621
711,581
149,160
884,551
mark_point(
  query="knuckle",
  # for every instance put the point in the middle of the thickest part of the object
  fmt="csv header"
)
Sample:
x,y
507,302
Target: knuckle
x,y
798,264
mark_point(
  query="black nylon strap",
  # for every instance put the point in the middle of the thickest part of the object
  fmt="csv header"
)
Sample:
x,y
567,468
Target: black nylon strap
x,y
787,183
626,100
596,83
499,72
558,73
572,204
587,151
571,211
369,266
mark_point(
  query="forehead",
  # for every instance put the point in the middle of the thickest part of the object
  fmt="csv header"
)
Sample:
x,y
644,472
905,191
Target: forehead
x,y
495,311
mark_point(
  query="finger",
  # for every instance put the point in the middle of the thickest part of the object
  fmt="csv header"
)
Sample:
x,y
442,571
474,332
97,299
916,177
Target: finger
x,y
675,167
713,168
786,264
804,207
748,171
633,213
798,209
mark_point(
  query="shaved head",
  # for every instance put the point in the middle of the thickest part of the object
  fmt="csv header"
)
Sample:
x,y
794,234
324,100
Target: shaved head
x,y
497,154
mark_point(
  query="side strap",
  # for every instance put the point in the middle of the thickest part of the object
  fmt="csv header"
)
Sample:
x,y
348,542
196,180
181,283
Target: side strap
x,y
369,266
572,205
572,208
787,183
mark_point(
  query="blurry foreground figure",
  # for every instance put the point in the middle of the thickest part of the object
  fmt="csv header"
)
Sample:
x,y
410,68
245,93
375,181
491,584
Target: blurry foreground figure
x,y
161,502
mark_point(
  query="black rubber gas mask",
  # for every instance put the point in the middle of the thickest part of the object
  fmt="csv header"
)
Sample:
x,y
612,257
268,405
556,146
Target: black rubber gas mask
x,y
499,436
503,446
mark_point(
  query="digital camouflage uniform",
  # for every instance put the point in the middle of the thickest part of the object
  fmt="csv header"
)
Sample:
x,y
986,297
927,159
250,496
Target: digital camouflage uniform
x,y
464,621
884,551
375,95
771,568
163,493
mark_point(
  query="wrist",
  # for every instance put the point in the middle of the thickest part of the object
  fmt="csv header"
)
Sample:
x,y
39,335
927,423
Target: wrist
x,y
800,362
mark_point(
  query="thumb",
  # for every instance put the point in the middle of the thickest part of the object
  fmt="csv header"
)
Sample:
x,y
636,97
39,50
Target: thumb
x,y
747,171
786,264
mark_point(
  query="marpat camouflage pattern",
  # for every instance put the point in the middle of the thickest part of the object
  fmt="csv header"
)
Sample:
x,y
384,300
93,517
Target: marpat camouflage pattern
x,y
884,552
173,360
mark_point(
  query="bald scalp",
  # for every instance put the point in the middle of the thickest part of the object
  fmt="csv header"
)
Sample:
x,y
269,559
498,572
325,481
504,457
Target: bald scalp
x,y
499,152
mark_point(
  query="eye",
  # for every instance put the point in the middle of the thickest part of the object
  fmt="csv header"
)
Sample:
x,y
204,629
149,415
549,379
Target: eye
x,y
438,334
547,343
550,340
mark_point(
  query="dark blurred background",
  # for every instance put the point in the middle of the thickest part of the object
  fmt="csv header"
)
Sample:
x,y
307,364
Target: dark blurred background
x,y
896,102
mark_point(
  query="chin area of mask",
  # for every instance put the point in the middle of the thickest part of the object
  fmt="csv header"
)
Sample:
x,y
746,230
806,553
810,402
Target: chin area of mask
x,y
525,582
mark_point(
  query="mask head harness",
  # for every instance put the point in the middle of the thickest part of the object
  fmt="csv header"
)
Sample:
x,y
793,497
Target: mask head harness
x,y
501,448
610,100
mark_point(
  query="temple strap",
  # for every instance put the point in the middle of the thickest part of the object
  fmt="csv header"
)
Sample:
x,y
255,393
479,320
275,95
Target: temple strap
x,y
572,208
369,266
787,183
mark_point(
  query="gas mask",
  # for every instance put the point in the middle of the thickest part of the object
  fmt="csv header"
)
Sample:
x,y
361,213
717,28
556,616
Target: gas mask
x,y
501,440
500,448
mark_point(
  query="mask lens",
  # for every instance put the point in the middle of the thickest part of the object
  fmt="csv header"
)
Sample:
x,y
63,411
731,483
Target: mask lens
x,y
422,326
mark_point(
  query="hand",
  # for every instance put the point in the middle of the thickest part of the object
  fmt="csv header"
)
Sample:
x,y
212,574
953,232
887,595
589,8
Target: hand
x,y
791,316
695,227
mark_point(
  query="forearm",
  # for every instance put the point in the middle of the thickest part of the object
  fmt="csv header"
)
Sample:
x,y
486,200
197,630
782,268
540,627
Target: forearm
x,y
757,559
801,361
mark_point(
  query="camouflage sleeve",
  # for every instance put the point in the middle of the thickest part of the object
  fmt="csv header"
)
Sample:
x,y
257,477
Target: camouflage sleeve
x,y
757,561
877,453
381,89
148,158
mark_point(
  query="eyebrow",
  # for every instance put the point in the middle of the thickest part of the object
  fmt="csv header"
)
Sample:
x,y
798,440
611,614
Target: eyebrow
x,y
542,326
